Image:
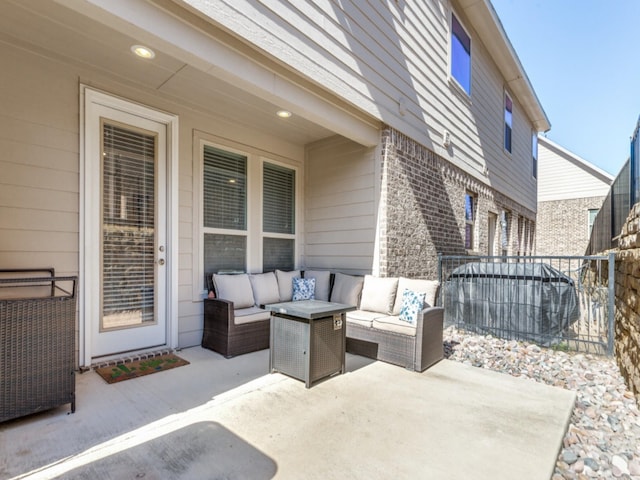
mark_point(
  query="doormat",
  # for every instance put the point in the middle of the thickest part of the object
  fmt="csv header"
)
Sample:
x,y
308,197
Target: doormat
x,y
138,368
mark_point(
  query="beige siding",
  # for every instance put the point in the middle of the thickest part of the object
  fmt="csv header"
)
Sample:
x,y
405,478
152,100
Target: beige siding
x,y
340,206
563,175
40,168
382,53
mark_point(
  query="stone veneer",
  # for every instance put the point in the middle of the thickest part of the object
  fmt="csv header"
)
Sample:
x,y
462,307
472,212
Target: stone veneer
x,y
423,211
563,225
627,319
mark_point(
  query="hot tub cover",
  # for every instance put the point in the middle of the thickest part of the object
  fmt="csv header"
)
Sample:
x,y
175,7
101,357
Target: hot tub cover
x,y
524,301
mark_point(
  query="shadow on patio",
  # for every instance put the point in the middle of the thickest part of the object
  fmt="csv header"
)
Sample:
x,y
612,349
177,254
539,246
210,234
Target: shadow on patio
x,y
218,418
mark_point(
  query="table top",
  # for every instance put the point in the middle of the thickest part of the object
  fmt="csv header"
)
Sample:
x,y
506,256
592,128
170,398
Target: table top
x,y
309,309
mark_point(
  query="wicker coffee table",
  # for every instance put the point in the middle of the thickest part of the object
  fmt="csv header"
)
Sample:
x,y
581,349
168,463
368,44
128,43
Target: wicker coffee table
x,y
308,339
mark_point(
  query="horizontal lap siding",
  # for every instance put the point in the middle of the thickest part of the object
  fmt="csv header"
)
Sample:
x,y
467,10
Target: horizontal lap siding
x,y
381,52
340,207
39,198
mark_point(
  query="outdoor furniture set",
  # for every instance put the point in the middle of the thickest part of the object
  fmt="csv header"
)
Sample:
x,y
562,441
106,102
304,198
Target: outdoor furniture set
x,y
392,319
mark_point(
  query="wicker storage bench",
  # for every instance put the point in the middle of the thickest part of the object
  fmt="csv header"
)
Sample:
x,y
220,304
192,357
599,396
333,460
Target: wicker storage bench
x,y
37,342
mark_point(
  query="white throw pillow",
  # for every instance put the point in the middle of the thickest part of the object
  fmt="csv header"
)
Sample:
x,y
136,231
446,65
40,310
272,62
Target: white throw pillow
x,y
235,288
418,285
323,279
347,289
285,284
265,288
378,294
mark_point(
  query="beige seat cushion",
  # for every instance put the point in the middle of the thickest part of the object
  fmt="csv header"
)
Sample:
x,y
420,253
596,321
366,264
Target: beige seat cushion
x,y
347,289
378,294
234,288
285,283
392,323
265,288
418,285
323,278
251,314
363,317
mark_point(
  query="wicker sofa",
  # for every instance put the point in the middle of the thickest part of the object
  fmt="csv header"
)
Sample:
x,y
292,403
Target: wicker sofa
x,y
235,321
380,328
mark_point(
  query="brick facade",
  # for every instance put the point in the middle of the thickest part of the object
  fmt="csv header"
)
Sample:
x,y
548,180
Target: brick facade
x,y
423,211
563,226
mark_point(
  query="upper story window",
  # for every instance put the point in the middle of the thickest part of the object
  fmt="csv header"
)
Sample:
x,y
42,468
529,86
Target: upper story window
x,y
460,55
508,121
534,154
470,219
593,213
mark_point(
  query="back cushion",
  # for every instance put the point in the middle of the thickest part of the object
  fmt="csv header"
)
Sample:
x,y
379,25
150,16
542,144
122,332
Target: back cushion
x,y
285,283
323,278
378,294
347,289
235,288
428,287
265,288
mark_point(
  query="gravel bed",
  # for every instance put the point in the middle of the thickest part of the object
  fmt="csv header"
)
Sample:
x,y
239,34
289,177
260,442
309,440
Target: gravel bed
x,y
603,437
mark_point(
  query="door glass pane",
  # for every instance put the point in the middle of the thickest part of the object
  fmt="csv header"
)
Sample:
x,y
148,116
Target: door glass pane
x,y
128,227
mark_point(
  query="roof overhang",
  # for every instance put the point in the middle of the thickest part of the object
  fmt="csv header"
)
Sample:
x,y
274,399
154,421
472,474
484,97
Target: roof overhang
x,y
485,21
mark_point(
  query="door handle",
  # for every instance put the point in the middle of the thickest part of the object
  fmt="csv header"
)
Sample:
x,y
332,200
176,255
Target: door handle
x,y
161,261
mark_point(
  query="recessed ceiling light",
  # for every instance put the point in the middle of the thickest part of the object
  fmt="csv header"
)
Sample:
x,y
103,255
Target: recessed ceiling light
x,y
284,113
143,52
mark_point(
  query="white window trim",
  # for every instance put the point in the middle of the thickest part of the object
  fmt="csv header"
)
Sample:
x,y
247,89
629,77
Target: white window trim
x,y
453,80
254,232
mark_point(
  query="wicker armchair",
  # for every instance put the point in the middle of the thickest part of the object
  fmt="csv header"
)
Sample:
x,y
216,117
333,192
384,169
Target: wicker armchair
x,y
223,335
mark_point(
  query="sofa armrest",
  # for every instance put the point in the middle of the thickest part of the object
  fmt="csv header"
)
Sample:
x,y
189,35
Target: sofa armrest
x,y
218,323
429,337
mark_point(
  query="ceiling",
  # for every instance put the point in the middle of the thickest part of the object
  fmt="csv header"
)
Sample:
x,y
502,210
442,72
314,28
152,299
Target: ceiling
x,y
50,29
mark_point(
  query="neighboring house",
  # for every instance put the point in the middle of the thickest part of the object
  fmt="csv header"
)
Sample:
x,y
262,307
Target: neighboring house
x,y
412,132
570,194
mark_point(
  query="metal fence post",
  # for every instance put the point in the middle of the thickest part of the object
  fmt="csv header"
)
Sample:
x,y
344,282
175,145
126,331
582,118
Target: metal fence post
x,y
612,302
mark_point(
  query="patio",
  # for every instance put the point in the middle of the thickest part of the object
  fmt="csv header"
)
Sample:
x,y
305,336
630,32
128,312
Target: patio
x,y
218,418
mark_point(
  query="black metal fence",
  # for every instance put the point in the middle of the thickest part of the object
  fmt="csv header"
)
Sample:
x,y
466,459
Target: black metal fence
x,y
559,302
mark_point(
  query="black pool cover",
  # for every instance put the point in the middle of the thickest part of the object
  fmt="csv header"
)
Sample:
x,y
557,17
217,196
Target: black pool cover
x,y
524,301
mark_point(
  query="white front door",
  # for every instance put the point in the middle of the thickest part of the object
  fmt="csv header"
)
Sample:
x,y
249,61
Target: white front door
x,y
125,230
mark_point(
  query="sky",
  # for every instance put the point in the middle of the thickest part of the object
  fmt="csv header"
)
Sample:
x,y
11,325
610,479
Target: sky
x,y
583,59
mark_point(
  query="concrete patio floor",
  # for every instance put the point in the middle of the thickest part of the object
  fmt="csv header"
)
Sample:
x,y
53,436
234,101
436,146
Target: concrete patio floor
x,y
229,419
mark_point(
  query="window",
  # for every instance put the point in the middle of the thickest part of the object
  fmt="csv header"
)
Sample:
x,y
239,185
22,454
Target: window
x,y
224,210
469,217
460,55
534,153
592,214
504,232
508,121
278,218
248,212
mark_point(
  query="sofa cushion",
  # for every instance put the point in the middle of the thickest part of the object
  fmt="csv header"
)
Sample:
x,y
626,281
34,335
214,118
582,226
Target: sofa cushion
x,y
378,294
363,317
347,289
251,314
392,323
265,288
323,283
234,288
429,287
412,304
285,283
304,289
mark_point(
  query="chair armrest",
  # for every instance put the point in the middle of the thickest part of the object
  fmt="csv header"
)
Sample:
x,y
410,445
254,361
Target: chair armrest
x,y
218,314
429,337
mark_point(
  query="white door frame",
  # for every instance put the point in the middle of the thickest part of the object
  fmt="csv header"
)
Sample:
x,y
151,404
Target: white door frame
x,y
87,296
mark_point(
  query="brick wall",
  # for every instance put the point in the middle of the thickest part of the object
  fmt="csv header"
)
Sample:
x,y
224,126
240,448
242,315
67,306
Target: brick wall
x,y
627,319
563,226
423,211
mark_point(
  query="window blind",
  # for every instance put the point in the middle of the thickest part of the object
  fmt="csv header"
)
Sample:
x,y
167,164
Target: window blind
x,y
128,225
279,185
224,189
